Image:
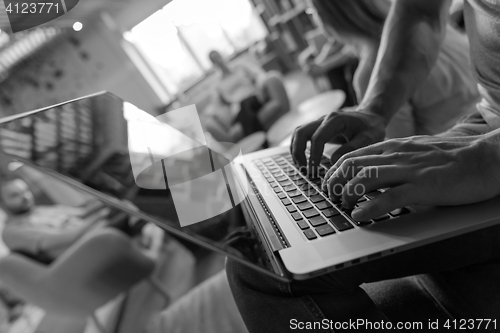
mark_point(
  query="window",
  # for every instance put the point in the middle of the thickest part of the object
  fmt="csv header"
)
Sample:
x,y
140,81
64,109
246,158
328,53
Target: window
x,y
177,39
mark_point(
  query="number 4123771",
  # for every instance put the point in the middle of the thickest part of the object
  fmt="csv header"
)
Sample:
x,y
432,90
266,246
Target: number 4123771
x,y
33,8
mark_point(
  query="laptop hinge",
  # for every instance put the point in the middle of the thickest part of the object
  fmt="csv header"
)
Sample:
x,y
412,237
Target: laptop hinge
x,y
266,219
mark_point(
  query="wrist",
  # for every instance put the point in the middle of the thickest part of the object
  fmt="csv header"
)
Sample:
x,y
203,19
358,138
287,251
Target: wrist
x,y
375,117
375,107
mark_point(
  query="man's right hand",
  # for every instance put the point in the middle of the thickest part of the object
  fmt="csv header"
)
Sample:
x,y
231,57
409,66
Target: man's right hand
x,y
351,129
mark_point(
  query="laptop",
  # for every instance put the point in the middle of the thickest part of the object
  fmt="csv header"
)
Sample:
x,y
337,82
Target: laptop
x,y
290,230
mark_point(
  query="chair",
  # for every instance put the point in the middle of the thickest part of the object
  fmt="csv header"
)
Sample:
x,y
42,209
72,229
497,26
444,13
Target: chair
x,y
93,271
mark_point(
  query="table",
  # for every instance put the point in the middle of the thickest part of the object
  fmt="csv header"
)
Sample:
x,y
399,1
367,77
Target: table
x,y
307,111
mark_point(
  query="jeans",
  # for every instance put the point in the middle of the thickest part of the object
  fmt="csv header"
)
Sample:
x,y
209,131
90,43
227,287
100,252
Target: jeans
x,y
269,305
247,117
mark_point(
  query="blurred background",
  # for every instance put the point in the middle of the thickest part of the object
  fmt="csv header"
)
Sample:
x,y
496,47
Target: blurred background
x,y
156,55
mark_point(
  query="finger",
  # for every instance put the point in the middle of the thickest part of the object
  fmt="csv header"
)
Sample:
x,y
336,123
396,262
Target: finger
x,y
373,149
299,142
348,170
372,178
359,141
329,128
396,197
341,151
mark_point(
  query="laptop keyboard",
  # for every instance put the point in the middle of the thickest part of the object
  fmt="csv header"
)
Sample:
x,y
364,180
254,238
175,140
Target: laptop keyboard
x,y
307,204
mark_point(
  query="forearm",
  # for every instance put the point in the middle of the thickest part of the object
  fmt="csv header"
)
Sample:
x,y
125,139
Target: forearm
x,y
338,59
408,51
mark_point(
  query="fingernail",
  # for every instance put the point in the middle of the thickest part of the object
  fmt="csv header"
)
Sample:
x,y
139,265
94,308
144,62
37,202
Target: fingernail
x,y
357,214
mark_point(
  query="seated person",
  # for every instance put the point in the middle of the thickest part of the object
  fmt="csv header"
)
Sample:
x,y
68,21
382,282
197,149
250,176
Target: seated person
x,y
448,93
45,232
338,63
246,100
456,168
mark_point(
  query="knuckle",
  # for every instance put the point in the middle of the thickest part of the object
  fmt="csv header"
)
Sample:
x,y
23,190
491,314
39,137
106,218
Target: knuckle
x,y
299,130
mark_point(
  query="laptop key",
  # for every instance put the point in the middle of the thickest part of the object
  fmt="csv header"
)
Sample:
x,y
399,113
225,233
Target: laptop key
x,y
289,188
305,186
300,182
281,179
382,218
296,216
317,182
373,194
323,205
329,212
299,199
362,223
317,198
362,199
296,177
311,192
303,225
281,195
341,223
294,194
310,234
291,209
310,213
273,184
277,190
325,230
399,212
304,205
286,202
317,220
285,183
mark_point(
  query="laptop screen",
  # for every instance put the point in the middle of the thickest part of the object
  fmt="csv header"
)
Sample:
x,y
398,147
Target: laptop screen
x,y
163,165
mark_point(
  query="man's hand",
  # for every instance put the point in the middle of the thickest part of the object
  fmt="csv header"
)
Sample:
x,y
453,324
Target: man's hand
x,y
420,170
352,129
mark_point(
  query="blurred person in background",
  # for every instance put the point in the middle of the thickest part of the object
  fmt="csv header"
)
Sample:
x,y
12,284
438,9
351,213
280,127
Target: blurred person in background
x,y
237,100
337,63
41,232
44,232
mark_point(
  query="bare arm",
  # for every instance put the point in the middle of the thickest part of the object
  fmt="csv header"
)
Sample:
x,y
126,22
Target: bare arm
x,y
409,48
333,60
53,242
